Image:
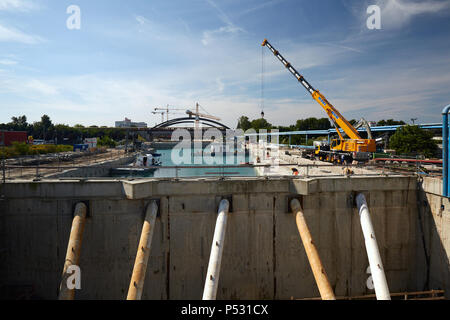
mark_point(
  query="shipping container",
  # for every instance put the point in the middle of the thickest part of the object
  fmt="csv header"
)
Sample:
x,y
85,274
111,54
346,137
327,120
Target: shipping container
x,y
8,137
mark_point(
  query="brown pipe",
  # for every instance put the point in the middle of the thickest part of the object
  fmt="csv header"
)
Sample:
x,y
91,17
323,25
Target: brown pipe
x,y
73,250
143,253
326,292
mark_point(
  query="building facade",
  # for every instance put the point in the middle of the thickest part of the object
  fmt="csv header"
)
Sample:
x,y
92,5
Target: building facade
x,y
127,123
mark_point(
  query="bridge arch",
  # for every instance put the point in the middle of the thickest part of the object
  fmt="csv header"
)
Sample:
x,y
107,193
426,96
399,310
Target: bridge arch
x,y
207,122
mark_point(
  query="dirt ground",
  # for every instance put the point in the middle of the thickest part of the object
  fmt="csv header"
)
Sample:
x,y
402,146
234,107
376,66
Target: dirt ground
x,y
309,168
42,170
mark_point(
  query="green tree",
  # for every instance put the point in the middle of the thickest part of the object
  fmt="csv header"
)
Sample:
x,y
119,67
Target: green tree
x,y
313,124
413,140
244,123
259,124
106,141
19,123
43,129
390,122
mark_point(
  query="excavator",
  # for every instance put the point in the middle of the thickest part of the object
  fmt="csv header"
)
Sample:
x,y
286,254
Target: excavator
x,y
341,150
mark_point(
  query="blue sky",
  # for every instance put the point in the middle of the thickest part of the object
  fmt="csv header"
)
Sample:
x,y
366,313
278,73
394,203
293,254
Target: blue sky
x,y
132,56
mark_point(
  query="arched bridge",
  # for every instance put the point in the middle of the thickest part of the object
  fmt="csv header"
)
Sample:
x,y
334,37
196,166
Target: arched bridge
x,y
204,121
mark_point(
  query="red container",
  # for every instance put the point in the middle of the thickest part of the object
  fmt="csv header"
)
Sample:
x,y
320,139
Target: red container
x,y
8,137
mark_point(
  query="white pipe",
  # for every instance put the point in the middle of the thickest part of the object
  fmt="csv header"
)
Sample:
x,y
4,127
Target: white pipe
x,y
376,265
215,259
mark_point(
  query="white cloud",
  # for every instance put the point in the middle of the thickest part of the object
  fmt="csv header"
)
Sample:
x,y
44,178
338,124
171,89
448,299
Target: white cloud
x,y
17,5
41,87
209,35
229,29
8,34
103,98
260,5
141,20
222,15
220,85
8,62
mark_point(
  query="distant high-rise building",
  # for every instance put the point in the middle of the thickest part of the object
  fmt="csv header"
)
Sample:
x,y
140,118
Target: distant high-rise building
x,y
127,123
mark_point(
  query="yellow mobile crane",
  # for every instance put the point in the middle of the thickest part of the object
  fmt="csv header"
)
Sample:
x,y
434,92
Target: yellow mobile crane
x,y
354,148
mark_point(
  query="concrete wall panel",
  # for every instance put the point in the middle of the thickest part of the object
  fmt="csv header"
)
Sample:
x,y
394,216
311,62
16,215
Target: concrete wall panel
x,y
263,258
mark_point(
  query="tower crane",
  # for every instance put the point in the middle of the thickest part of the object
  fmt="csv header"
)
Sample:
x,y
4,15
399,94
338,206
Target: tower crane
x,y
162,113
354,148
197,115
167,111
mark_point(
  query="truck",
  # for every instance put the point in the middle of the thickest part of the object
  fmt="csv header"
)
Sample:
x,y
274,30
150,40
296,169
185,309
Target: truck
x,y
339,150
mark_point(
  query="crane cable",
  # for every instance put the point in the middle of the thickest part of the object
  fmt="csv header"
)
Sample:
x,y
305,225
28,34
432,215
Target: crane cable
x,y
262,80
204,109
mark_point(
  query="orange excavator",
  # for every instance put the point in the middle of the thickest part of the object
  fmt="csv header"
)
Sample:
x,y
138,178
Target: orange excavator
x,y
354,148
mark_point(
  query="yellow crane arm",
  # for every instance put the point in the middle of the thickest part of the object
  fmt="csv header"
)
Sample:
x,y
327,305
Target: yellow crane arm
x,y
332,112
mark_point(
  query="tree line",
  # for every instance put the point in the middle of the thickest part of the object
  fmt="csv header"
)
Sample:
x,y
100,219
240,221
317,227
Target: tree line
x,y
244,123
408,140
46,130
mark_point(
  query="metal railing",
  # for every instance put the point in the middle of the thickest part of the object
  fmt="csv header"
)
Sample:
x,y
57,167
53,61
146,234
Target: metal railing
x,y
47,172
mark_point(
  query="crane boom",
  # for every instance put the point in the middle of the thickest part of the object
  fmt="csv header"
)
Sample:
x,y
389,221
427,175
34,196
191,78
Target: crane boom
x,y
190,113
332,112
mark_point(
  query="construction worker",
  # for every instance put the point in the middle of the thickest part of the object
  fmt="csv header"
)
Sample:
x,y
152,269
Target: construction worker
x,y
294,171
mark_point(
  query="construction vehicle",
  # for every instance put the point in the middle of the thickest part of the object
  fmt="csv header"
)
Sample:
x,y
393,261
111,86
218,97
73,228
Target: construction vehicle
x,y
341,150
363,122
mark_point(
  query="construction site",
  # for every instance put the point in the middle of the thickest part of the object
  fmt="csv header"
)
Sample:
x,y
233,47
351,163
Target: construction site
x,y
261,250
190,209
317,224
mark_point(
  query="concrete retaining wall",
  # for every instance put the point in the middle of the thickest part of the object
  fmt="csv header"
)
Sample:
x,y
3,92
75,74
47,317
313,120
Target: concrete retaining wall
x,y
98,170
263,255
434,214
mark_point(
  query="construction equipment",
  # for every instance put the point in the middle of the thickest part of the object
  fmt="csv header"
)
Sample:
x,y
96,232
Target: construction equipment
x,y
363,122
342,150
167,111
197,116
162,113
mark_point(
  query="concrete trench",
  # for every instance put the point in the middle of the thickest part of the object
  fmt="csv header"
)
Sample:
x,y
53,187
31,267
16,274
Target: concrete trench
x,y
263,255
